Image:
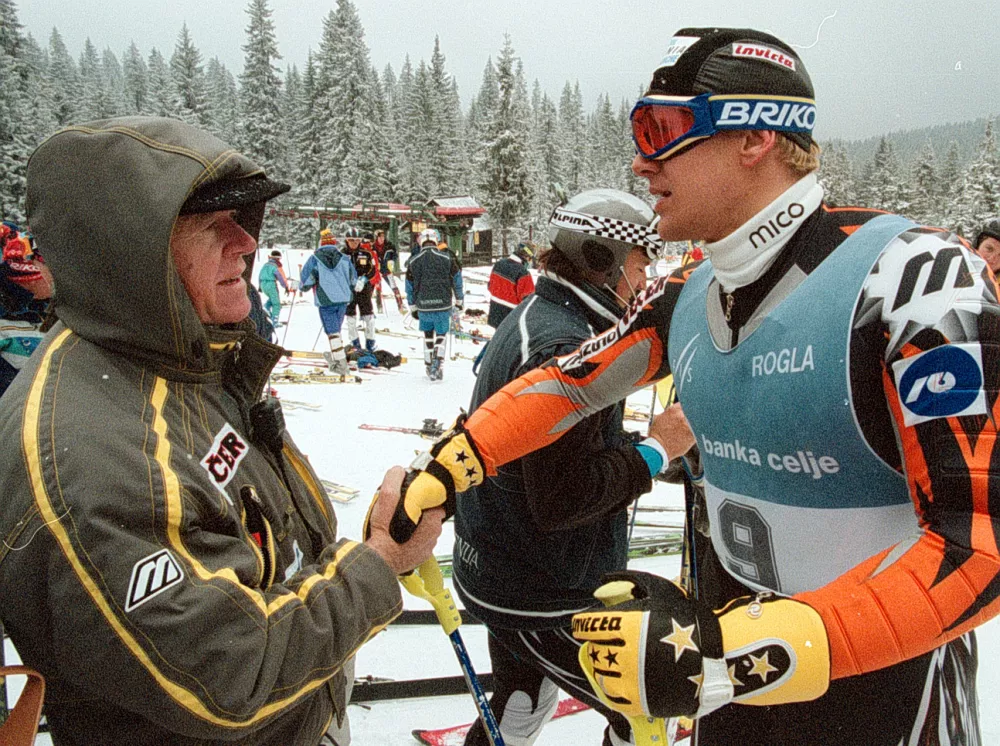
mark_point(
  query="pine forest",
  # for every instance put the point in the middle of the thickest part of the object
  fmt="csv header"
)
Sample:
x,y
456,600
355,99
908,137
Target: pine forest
x,y
341,131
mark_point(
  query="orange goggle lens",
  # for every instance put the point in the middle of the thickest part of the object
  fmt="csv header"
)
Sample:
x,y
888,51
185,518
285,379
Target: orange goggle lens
x,y
655,127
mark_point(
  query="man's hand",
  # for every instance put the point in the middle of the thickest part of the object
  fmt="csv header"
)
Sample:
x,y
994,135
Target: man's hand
x,y
400,557
671,429
662,654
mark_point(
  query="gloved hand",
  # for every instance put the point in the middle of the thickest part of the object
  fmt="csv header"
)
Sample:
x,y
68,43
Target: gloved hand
x,y
452,465
778,649
414,312
360,284
460,304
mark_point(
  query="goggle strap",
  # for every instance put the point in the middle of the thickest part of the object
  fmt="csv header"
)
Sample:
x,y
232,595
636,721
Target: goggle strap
x,y
641,236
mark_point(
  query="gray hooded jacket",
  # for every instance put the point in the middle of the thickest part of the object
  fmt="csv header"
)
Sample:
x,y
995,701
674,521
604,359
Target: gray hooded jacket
x,y
170,561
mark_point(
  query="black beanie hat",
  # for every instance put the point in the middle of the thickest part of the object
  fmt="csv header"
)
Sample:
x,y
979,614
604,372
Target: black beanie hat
x,y
732,61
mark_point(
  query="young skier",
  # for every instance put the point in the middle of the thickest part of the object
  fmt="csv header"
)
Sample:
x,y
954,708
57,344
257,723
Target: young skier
x,y
839,369
532,543
388,262
331,274
433,278
271,275
365,267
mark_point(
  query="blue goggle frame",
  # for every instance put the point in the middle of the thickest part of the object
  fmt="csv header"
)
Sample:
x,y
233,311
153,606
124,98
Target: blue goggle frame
x,y
716,113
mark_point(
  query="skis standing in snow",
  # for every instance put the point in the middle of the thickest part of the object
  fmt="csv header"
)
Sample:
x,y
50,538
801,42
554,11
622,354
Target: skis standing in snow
x,y
177,577
433,278
332,275
532,543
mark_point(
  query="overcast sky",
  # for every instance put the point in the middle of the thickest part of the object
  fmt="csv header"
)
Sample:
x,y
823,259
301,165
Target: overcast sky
x,y
877,66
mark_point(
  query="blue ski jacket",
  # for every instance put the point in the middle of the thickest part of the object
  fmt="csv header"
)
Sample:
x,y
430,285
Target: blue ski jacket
x,y
332,274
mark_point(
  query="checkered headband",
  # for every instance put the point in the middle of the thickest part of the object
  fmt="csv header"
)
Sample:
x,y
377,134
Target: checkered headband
x,y
641,236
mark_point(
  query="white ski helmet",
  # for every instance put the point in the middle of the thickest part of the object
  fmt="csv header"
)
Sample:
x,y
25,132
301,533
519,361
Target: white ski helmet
x,y
598,228
428,235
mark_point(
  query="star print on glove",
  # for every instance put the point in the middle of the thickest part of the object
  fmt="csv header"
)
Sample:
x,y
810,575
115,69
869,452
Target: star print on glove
x,y
682,638
676,656
761,667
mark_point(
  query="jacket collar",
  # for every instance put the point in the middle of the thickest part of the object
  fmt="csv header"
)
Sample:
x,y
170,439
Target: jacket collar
x,y
597,306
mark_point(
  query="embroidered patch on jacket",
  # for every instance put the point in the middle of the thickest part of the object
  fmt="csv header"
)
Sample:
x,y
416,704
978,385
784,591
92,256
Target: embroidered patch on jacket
x,y
151,576
946,381
222,460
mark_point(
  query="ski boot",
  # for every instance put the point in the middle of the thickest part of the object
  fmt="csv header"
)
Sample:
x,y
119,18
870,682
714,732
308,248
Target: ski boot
x,y
370,345
337,367
436,373
356,344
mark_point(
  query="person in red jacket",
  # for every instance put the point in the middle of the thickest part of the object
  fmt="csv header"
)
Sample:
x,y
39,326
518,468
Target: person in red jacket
x,y
510,283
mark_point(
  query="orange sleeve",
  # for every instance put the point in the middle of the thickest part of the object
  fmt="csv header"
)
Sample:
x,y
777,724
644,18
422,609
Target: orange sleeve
x,y
536,409
915,597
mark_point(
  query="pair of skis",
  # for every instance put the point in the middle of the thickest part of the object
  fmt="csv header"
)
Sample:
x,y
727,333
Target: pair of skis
x,y
432,429
293,376
455,735
339,493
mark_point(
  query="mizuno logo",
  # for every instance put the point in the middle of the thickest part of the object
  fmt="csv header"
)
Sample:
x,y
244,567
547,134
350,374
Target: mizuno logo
x,y
787,115
151,576
934,280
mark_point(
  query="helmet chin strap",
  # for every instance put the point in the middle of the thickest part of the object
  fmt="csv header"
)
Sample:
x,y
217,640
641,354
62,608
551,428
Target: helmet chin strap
x,y
631,289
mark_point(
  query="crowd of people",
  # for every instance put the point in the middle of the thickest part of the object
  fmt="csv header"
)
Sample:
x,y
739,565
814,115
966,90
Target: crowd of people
x,y
178,574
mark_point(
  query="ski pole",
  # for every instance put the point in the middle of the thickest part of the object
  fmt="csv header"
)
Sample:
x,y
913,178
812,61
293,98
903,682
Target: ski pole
x,y
316,341
646,731
427,582
635,505
288,321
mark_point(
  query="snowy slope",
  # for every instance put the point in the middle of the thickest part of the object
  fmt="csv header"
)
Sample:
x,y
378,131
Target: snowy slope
x,y
343,453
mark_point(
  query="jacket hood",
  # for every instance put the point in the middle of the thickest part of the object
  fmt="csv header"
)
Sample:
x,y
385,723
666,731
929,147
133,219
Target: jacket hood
x,y
102,200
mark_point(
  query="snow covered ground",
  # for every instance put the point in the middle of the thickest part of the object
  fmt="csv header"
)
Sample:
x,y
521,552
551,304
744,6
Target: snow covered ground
x,y
343,453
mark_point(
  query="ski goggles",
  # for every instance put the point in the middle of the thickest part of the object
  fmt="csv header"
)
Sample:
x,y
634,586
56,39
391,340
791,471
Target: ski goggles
x,y
663,125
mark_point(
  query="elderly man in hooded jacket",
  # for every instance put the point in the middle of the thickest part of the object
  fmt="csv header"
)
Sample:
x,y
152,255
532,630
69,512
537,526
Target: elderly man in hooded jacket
x,y
171,563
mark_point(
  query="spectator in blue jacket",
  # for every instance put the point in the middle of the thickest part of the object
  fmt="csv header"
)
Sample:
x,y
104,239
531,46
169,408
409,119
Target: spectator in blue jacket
x,y
433,276
332,275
